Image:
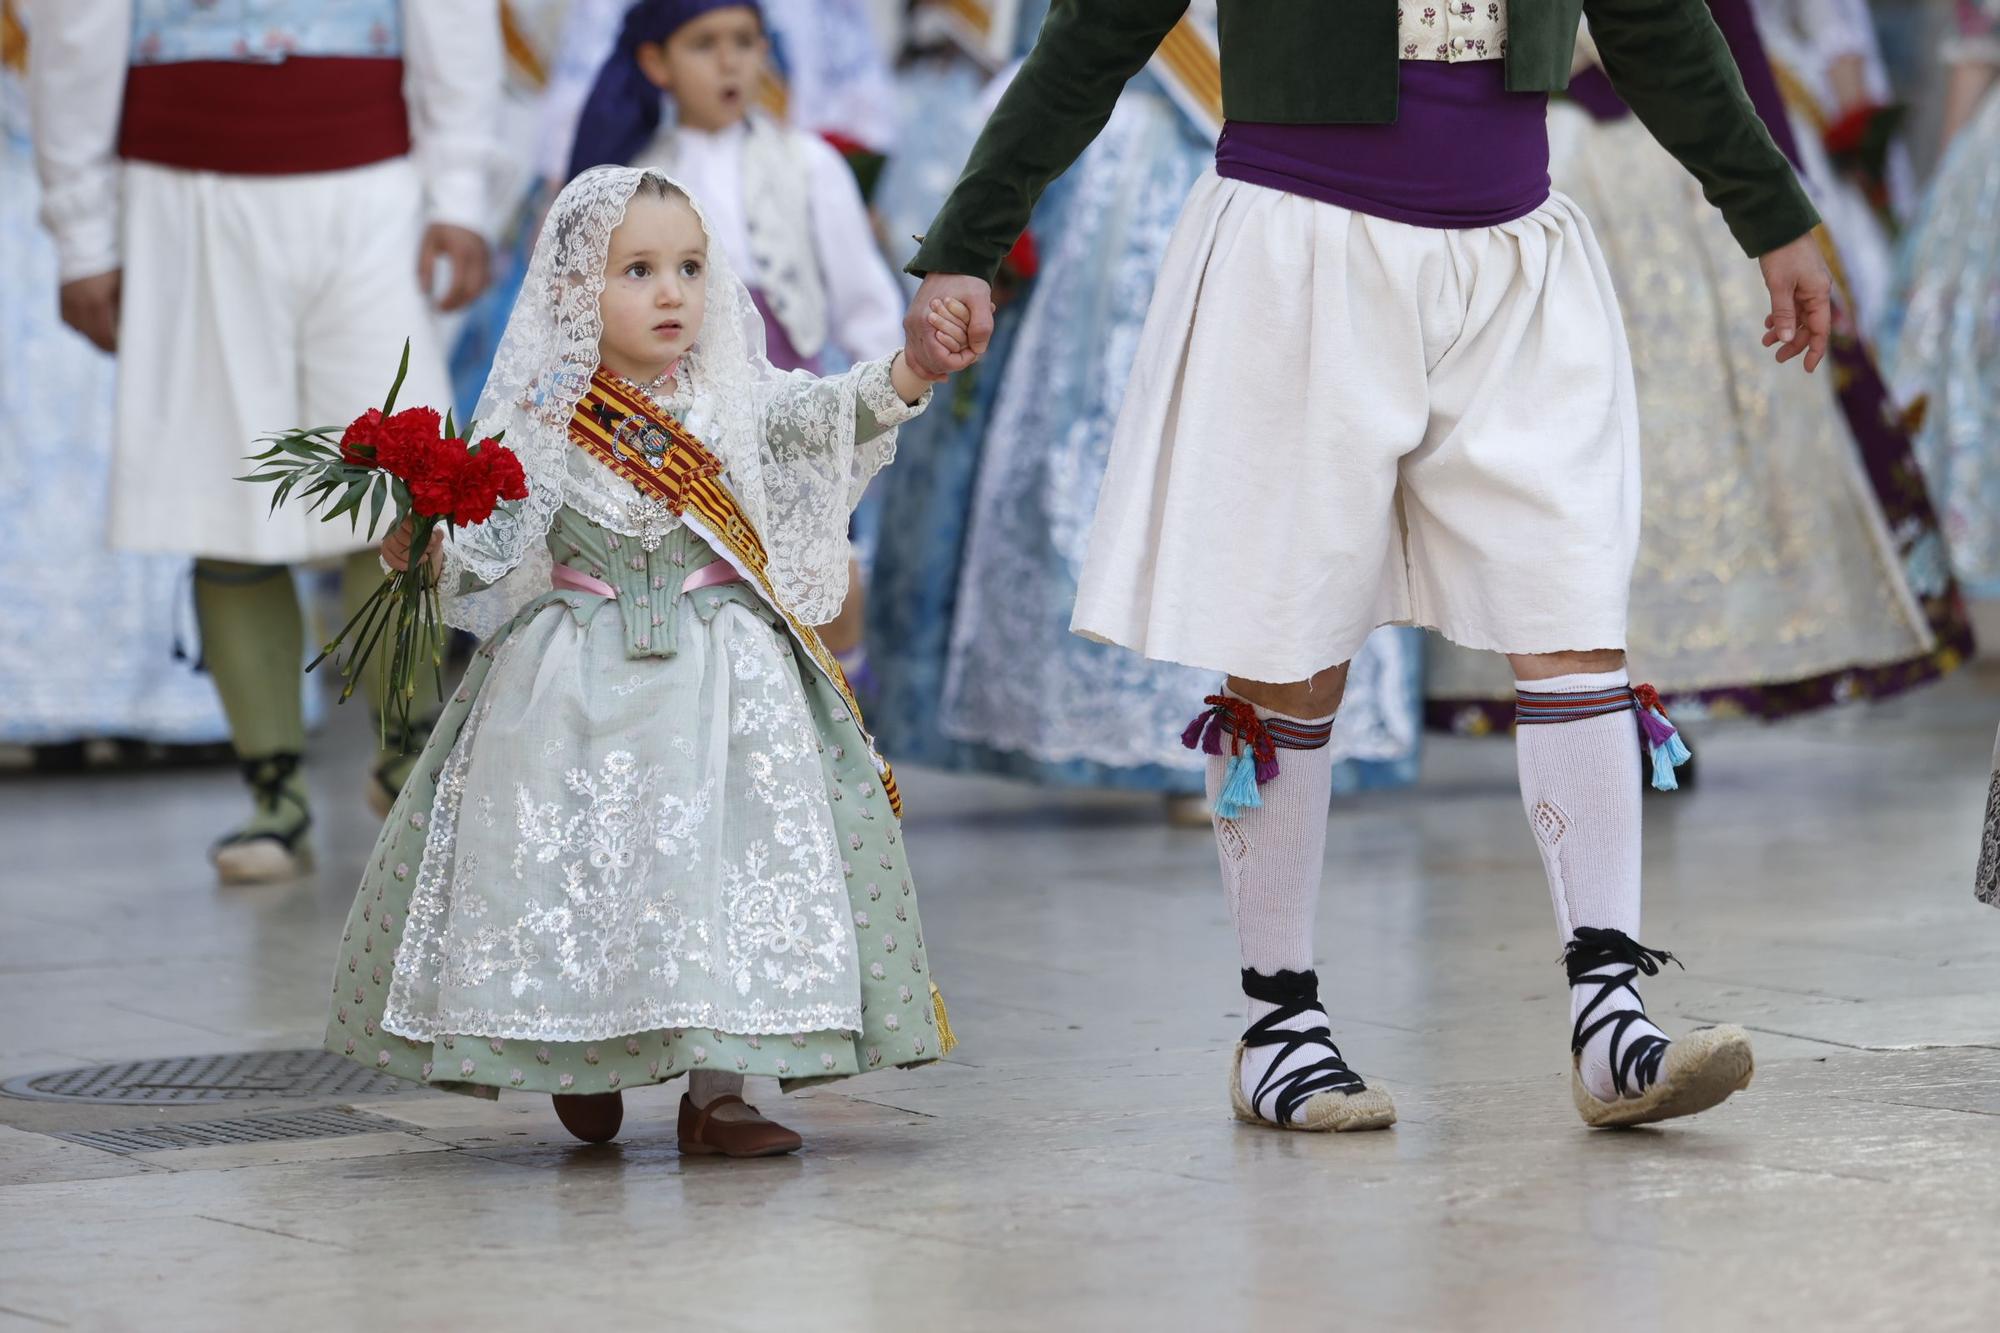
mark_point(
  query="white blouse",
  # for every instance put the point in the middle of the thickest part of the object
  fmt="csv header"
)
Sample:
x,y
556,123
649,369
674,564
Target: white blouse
x,y
787,236
76,82
1453,30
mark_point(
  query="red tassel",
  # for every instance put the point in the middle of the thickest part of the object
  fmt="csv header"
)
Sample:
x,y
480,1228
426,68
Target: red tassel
x,y
1247,731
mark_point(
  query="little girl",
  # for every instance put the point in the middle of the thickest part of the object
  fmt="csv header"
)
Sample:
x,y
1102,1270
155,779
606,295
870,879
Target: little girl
x,y
783,205
649,836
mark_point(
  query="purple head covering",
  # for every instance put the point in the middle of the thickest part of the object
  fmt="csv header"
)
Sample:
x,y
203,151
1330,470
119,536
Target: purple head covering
x,y
622,113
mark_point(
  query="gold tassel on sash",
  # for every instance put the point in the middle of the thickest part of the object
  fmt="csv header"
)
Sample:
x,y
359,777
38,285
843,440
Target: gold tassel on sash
x,y
947,1039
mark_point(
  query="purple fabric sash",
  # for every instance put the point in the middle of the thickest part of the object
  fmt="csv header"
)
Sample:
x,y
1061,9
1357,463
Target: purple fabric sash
x,y
1462,152
777,343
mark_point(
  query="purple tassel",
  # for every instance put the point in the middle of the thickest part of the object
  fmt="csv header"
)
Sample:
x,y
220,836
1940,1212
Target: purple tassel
x,y
1191,735
1211,739
1658,730
1267,769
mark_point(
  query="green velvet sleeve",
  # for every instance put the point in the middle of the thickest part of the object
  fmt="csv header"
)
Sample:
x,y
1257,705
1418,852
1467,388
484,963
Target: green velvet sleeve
x,y
1058,102
1670,63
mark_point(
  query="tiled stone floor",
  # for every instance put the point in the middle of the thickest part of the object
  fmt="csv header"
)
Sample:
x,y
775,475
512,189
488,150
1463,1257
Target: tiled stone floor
x,y
1075,1167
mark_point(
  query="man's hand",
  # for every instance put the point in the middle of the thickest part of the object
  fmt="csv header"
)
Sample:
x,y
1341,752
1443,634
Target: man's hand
x,y
471,264
1801,318
90,306
926,350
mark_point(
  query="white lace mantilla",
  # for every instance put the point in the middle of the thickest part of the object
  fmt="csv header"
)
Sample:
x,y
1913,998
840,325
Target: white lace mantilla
x,y
792,445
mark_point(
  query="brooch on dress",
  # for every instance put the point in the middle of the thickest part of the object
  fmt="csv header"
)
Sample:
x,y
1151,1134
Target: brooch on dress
x,y
651,521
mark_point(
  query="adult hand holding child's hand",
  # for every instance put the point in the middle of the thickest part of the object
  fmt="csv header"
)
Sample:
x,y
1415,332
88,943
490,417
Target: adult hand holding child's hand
x,y
929,352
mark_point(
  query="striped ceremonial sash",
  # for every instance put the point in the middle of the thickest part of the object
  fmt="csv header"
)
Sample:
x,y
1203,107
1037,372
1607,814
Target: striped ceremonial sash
x,y
1190,65
773,95
627,433
521,50
984,29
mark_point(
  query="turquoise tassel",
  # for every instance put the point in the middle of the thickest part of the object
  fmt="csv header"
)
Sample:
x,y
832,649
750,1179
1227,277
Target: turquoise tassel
x,y
1239,788
1677,750
1663,770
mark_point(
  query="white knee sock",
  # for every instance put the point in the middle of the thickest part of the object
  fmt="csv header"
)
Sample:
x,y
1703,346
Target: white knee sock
x,y
1580,785
1272,858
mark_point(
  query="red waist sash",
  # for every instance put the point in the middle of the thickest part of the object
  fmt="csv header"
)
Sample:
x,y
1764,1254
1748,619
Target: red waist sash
x,y
310,113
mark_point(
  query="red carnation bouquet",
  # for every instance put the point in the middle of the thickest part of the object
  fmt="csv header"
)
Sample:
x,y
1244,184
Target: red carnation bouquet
x,y
433,474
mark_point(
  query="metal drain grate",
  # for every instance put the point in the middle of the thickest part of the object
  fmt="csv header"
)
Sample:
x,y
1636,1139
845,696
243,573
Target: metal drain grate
x,y
330,1124
210,1078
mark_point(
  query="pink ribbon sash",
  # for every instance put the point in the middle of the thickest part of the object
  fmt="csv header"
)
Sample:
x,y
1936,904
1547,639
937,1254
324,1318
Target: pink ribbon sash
x,y
566,578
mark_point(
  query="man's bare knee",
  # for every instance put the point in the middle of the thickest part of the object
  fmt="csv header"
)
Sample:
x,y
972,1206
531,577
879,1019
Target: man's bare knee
x,y
1545,666
1317,697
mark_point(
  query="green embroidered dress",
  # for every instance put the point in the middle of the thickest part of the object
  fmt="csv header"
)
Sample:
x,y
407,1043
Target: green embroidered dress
x,y
647,836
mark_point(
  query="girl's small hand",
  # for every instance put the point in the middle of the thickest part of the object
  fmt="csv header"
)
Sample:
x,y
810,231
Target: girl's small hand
x,y
396,547
950,322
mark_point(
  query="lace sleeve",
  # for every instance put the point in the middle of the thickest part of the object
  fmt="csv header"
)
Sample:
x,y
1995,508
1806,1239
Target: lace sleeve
x,y
880,408
822,440
839,425
483,588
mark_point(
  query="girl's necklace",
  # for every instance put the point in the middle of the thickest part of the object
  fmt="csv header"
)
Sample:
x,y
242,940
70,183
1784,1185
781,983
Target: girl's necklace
x,y
672,383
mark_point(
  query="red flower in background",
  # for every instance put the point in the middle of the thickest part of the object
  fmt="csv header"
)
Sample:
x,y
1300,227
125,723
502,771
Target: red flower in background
x,y
1860,143
1025,259
1850,132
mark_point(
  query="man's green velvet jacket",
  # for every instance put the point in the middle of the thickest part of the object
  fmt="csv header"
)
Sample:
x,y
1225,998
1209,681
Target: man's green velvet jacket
x,y
1336,62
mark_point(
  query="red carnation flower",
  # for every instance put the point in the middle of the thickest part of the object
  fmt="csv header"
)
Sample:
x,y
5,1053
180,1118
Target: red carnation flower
x,y
473,492
430,469
402,458
483,479
407,440
508,478
362,439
